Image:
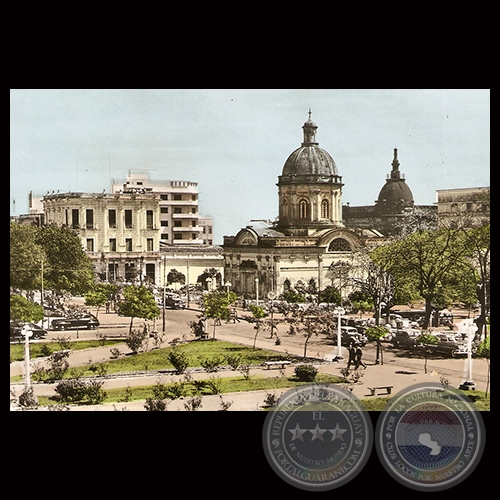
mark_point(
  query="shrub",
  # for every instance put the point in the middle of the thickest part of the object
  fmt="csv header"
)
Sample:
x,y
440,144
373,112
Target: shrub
x,y
306,373
94,392
233,360
212,365
178,360
70,390
27,398
193,403
136,338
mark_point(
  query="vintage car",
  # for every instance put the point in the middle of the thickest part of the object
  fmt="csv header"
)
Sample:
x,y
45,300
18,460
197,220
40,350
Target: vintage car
x,y
16,328
78,320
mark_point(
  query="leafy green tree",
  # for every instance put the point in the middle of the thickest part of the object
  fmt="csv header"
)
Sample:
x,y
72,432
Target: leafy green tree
x,y
293,297
139,303
26,256
175,276
258,314
96,298
24,310
330,295
374,334
426,261
68,267
217,305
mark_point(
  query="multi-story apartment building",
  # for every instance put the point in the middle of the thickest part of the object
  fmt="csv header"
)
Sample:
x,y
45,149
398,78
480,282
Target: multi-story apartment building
x,y
178,202
119,231
467,206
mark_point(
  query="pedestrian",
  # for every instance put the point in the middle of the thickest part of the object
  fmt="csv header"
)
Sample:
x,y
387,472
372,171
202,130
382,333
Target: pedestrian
x,y
358,360
352,356
234,315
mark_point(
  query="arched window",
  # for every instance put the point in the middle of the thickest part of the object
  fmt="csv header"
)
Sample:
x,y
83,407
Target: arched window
x,y
303,209
339,245
325,212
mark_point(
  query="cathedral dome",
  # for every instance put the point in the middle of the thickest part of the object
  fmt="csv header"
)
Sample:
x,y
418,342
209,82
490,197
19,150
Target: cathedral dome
x,y
395,195
310,159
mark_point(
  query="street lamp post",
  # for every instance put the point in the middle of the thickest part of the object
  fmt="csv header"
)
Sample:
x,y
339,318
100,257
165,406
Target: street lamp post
x,y
27,334
469,384
257,290
164,289
340,311
228,285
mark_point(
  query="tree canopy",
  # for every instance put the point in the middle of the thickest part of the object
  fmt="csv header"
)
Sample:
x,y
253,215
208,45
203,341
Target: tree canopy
x,y
139,303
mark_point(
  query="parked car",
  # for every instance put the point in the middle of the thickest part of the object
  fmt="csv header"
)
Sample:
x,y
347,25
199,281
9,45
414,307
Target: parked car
x,y
79,320
405,339
172,301
448,345
16,328
350,335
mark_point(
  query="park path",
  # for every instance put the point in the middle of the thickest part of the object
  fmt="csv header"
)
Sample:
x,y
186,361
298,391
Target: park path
x,y
400,372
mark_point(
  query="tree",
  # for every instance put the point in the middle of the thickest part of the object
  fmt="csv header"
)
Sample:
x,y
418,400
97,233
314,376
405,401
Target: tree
x,y
374,334
293,297
24,310
217,305
427,261
96,298
211,273
258,313
139,303
26,256
175,276
426,340
330,294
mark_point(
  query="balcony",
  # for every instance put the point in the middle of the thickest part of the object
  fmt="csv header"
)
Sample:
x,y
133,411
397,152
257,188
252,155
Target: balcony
x,y
185,216
190,229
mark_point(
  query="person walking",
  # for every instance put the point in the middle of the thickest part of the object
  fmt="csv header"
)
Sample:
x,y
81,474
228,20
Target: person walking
x,y
358,356
352,356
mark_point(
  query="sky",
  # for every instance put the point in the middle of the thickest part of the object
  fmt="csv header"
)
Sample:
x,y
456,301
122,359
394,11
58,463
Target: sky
x,y
234,142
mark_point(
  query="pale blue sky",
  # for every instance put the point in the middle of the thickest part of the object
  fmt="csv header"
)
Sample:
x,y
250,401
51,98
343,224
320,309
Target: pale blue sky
x,y
234,143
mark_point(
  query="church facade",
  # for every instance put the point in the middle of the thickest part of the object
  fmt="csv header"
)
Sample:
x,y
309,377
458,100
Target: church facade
x,y
309,244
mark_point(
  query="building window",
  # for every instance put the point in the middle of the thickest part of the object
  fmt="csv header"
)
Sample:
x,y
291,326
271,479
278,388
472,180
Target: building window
x,y
112,271
164,223
90,244
128,244
303,209
193,210
75,218
66,218
325,209
177,197
194,197
193,223
209,229
128,219
149,219
89,218
149,244
193,236
177,223
112,218
163,196
164,210
177,236
339,245
112,244
177,210
150,272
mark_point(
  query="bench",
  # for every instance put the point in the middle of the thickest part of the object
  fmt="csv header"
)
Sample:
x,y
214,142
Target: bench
x,y
388,388
269,364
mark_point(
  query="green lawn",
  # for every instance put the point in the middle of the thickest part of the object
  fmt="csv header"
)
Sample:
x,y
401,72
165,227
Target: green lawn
x,y
42,348
211,385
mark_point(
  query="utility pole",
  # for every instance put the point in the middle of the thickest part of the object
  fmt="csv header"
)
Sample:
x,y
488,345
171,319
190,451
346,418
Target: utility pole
x,y
27,334
164,288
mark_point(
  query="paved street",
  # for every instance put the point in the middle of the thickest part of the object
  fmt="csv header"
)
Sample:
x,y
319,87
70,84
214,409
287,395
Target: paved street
x,y
397,370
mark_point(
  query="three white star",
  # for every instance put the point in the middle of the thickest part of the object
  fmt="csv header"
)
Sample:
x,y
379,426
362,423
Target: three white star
x,y
317,433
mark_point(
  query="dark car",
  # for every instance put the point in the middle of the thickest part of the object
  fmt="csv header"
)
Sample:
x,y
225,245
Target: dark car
x,y
16,328
449,346
88,321
405,339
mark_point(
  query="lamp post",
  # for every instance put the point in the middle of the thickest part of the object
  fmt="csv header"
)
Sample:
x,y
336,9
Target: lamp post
x,y
228,285
164,289
340,311
27,334
380,306
257,290
469,384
